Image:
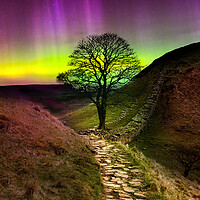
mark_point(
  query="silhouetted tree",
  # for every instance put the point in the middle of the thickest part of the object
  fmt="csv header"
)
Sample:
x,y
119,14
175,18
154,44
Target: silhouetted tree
x,y
189,158
101,63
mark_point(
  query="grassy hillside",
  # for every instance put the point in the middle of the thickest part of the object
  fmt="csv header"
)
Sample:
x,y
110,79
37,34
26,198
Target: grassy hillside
x,y
130,98
176,119
40,158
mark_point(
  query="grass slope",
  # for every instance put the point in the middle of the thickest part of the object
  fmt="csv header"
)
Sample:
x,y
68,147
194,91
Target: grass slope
x,y
40,158
176,119
136,91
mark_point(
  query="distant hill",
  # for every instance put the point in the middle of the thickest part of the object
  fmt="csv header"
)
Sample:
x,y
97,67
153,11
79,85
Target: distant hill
x,y
58,99
40,158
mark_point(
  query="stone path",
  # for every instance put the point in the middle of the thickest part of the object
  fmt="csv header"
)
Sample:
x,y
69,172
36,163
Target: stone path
x,y
121,178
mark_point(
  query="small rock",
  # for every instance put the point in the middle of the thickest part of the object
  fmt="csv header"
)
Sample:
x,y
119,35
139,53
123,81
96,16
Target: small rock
x,y
108,161
106,178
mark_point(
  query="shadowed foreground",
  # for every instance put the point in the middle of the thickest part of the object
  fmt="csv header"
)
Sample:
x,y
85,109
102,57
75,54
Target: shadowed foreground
x,y
40,158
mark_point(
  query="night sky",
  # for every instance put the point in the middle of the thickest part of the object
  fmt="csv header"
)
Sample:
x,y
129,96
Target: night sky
x,y
37,36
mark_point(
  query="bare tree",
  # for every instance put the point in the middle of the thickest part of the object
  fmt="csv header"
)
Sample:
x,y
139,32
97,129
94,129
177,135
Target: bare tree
x,y
189,156
101,63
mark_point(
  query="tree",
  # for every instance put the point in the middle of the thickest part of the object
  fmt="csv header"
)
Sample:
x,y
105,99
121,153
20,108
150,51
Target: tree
x,y
101,63
189,156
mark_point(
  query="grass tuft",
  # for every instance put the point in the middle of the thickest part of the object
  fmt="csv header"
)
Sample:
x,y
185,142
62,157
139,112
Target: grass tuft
x,y
161,182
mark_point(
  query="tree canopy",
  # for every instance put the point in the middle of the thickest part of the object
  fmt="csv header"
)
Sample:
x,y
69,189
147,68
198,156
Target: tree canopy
x,y
101,63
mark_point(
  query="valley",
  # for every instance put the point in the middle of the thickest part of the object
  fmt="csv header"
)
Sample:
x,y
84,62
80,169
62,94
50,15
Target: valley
x,y
154,115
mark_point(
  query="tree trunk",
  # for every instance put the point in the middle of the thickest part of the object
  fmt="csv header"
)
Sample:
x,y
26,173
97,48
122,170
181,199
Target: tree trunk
x,y
101,107
101,122
187,170
102,116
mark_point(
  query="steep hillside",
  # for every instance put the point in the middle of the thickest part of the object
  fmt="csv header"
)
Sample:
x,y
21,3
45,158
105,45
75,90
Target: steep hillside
x,y
161,104
40,158
172,136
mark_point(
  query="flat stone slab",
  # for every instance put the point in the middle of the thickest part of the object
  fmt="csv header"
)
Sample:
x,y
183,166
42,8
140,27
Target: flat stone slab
x,y
102,153
121,172
121,175
135,180
119,166
129,189
120,181
135,184
124,195
140,195
108,167
103,164
110,196
106,178
109,173
115,179
136,170
112,185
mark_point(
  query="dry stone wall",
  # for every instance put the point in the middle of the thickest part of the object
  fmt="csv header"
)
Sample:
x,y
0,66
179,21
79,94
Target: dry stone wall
x,y
123,113
139,121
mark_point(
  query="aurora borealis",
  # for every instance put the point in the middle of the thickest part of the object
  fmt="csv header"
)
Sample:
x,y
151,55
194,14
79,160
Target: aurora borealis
x,y
37,36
